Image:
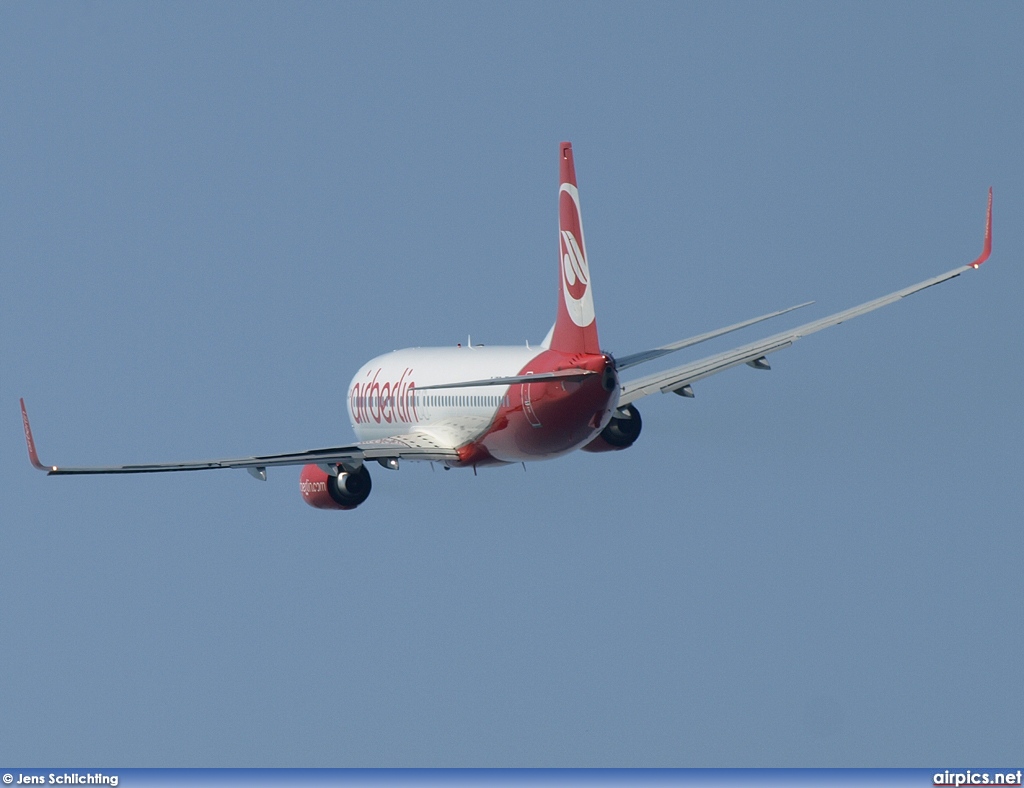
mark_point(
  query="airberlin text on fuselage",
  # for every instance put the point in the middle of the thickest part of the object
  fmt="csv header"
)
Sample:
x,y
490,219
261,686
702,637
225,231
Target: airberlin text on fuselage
x,y
388,402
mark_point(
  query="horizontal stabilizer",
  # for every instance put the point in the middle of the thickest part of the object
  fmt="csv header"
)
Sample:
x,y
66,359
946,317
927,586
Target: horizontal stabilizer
x,y
558,374
625,362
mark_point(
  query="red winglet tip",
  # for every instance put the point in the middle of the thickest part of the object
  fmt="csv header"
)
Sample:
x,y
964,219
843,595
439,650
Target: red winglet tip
x,y
987,248
33,457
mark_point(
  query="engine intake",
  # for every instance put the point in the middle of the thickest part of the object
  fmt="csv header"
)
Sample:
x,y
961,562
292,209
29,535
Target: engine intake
x,y
621,433
325,491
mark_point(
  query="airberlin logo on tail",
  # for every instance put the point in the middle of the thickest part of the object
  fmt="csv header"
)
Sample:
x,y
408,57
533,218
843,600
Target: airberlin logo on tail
x,y
574,266
388,402
579,300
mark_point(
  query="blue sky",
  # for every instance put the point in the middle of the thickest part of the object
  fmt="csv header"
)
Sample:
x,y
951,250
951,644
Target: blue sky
x,y
213,214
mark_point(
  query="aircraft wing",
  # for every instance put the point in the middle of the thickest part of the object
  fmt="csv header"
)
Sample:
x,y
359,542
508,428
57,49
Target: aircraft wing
x,y
677,378
404,447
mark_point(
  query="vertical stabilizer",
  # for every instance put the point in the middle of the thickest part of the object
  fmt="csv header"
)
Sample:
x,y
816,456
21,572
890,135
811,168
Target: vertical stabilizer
x,y
575,326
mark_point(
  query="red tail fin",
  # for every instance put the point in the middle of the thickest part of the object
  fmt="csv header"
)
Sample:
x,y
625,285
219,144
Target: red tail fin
x,y
575,326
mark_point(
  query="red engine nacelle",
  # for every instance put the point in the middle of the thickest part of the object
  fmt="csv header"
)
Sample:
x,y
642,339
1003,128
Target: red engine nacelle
x,y
325,491
619,434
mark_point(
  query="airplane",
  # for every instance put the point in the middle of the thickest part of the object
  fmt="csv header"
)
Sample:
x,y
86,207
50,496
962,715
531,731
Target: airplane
x,y
473,406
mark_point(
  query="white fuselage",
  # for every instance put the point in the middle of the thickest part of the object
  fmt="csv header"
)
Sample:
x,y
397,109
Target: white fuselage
x,y
385,400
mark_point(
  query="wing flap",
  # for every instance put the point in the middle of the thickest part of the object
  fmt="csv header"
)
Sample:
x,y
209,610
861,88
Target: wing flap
x,y
678,377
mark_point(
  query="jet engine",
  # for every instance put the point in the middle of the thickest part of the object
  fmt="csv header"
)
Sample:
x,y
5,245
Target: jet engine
x,y
323,490
621,432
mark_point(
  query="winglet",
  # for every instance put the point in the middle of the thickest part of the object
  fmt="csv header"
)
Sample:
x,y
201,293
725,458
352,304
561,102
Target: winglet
x,y
987,248
32,456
